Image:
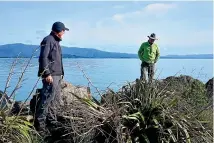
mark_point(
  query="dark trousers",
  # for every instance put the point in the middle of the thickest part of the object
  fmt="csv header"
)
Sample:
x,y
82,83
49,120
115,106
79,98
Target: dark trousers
x,y
50,98
147,67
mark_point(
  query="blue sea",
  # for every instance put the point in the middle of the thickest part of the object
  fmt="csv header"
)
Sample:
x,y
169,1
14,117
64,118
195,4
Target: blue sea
x,y
103,73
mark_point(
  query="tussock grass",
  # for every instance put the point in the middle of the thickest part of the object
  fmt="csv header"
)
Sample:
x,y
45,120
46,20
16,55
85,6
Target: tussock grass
x,y
141,113
16,129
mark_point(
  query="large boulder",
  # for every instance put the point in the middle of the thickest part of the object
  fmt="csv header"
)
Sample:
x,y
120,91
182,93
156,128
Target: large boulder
x,y
182,79
172,83
180,84
56,126
68,90
183,86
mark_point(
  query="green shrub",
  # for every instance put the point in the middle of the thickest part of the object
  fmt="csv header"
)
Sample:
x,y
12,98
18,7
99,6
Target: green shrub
x,y
16,129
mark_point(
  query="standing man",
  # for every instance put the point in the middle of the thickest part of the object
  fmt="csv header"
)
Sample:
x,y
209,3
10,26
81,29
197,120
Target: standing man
x,y
51,71
149,54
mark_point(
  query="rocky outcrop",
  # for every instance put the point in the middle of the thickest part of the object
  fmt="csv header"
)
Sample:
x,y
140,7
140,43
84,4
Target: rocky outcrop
x,y
184,83
179,83
69,89
173,83
186,87
182,79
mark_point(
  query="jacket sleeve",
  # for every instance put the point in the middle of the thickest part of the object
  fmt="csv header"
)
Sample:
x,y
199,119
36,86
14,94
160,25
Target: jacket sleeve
x,y
157,54
46,47
140,52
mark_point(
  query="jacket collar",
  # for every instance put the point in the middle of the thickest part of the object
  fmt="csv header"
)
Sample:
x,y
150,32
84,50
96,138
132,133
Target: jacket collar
x,y
55,37
149,43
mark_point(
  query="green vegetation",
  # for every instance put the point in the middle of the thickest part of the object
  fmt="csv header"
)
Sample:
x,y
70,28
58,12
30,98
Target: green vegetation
x,y
16,129
143,113
174,110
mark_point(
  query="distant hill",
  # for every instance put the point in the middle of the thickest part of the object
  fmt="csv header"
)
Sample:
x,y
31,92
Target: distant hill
x,y
12,50
196,56
93,53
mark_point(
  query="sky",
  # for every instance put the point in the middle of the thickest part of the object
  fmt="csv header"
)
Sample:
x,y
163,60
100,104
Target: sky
x,y
181,27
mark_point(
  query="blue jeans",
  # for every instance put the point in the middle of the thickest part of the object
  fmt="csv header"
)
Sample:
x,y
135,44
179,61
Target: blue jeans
x,y
50,94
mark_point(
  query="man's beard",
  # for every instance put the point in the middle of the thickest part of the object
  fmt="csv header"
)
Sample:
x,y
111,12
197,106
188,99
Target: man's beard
x,y
150,42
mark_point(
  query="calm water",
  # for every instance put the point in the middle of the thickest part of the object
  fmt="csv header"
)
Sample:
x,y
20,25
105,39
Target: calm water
x,y
104,72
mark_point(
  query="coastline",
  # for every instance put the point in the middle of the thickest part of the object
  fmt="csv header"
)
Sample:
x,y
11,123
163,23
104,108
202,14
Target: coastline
x,y
178,91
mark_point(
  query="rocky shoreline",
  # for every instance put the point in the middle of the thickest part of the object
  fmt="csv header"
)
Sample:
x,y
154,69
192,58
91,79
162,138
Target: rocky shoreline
x,y
67,89
82,91
72,94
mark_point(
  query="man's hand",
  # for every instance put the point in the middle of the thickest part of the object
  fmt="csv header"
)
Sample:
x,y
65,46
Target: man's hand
x,y
49,79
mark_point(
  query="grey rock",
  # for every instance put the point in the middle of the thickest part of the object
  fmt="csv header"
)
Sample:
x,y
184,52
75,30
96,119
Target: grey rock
x,y
68,89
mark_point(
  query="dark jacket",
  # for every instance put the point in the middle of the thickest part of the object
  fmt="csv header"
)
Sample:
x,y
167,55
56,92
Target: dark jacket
x,y
50,59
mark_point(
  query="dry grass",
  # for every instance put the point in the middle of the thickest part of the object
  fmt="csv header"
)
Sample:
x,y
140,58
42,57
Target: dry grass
x,y
139,113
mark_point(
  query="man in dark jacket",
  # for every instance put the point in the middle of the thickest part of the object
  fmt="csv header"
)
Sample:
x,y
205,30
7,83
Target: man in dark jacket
x,y
51,70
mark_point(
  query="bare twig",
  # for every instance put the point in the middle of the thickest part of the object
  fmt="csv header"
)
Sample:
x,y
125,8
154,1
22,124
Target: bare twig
x,y
8,80
89,81
16,87
11,73
22,74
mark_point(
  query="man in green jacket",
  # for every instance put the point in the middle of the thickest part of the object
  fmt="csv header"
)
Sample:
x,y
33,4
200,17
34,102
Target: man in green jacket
x,y
149,54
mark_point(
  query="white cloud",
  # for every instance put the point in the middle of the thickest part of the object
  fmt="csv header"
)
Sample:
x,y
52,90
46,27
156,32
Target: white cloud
x,y
135,34
159,8
132,28
121,16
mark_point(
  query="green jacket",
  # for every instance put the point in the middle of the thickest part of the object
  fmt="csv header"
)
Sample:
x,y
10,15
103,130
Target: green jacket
x,y
149,53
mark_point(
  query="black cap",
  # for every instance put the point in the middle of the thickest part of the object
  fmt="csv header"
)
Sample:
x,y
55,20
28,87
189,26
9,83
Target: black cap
x,y
58,27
